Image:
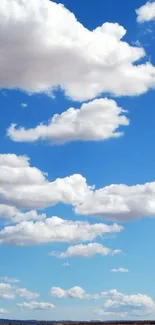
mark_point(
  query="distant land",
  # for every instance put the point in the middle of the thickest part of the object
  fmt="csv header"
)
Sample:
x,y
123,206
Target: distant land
x,y
93,322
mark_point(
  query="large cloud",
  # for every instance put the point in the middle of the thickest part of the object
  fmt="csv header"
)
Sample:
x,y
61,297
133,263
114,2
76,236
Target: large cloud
x,y
38,53
54,230
86,251
114,302
119,303
146,12
96,120
120,202
26,187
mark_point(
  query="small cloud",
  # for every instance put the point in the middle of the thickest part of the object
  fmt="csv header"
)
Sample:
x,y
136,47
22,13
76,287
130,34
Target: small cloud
x,y
146,13
120,270
9,280
137,43
66,264
4,93
3,311
24,105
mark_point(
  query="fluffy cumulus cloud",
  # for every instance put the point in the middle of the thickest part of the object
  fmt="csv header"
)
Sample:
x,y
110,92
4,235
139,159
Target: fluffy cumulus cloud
x,y
120,202
10,290
6,291
114,302
120,270
146,12
34,305
41,53
54,230
12,213
95,120
86,251
25,187
74,293
120,304
24,293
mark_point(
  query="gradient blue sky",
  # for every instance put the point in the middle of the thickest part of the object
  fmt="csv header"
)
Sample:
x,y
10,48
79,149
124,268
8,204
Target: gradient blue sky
x,y
128,160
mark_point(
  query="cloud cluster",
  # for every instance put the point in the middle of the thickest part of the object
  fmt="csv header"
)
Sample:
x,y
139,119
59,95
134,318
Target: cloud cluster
x,y
42,54
74,293
11,291
35,305
95,120
25,187
146,12
54,229
114,302
88,250
123,305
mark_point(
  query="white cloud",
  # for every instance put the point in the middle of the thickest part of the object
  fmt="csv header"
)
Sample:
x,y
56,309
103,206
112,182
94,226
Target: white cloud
x,y
3,311
26,187
6,291
95,120
120,202
114,303
24,293
66,264
10,212
58,292
9,290
103,313
120,270
74,293
34,305
41,54
146,13
86,251
9,280
24,105
136,304
54,229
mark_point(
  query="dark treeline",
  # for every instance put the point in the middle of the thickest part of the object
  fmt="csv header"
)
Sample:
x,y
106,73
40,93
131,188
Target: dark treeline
x,y
14,322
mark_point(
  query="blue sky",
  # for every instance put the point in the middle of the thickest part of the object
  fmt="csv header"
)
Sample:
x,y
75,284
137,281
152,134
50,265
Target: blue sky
x,y
77,197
